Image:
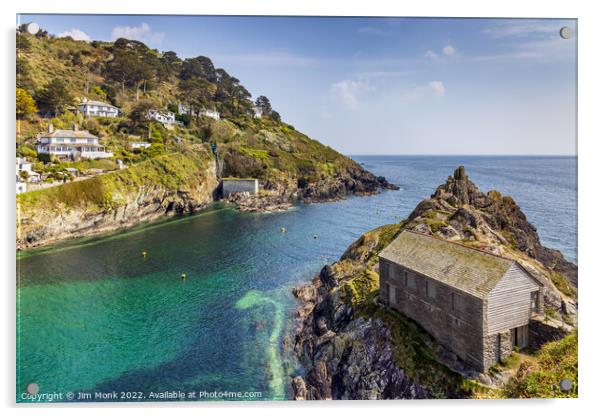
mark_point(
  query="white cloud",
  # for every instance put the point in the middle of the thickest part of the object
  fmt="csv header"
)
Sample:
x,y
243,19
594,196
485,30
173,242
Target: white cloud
x,y
431,55
437,87
449,50
76,34
142,33
348,91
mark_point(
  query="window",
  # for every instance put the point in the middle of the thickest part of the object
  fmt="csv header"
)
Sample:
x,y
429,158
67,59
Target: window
x,y
385,266
392,295
457,302
431,290
411,280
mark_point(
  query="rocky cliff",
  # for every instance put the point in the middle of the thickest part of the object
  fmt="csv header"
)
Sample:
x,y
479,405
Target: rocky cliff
x,y
353,348
171,184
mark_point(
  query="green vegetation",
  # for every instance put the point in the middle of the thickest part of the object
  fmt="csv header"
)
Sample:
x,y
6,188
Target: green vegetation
x,y
108,191
556,361
435,225
25,104
562,284
58,72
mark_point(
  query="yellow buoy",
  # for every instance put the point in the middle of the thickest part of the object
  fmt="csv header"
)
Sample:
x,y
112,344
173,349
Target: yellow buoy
x,y
143,254
282,229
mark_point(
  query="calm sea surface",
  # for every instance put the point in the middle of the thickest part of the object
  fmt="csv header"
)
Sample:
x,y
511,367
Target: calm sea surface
x,y
95,315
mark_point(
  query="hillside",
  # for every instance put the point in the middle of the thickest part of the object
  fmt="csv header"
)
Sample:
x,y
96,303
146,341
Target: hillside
x,y
248,140
353,347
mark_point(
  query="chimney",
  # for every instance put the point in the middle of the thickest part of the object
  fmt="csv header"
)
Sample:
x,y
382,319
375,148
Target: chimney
x,y
75,127
50,128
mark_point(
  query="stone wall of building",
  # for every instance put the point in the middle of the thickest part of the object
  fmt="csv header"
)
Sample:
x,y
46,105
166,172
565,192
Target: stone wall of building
x,y
496,347
457,324
232,186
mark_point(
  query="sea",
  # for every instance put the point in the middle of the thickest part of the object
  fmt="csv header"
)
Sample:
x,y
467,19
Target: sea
x,y
208,312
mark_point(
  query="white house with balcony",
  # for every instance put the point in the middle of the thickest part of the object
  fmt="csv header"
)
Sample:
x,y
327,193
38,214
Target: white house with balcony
x,y
71,144
209,113
97,109
164,117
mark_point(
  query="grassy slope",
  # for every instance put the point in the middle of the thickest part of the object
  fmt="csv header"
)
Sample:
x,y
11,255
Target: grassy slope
x,y
172,171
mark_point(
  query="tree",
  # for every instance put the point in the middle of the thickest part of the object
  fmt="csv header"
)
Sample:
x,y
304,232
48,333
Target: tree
x,y
54,97
139,113
199,67
197,93
133,64
263,103
26,106
275,115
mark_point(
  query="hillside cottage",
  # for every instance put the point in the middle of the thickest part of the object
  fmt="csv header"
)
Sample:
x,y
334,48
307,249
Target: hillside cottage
x,y
71,144
26,167
475,303
97,109
24,175
256,111
139,145
209,113
164,117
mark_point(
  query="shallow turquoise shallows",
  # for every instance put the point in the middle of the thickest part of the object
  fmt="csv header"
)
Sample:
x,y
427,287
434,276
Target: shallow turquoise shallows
x,y
98,316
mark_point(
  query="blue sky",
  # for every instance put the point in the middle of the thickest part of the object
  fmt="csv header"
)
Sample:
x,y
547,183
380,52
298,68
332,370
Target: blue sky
x,y
383,85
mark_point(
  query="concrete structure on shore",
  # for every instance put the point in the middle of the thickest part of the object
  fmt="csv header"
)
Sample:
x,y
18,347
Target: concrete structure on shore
x,y
477,304
234,186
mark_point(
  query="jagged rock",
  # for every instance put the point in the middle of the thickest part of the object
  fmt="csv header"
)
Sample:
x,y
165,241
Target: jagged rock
x,y
448,233
328,278
299,388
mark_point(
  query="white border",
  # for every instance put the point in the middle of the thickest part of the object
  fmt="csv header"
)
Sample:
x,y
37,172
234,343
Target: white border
x,y
590,201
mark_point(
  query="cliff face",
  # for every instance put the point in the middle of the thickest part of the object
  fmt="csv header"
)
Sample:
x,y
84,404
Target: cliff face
x,y
171,184
353,348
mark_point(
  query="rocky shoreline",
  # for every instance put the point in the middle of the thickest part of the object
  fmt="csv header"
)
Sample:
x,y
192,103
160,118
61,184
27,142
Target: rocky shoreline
x,y
347,342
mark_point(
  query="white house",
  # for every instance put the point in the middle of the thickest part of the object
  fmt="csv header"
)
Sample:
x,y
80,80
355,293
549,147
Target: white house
x,y
71,144
256,112
24,166
97,109
139,145
210,113
164,117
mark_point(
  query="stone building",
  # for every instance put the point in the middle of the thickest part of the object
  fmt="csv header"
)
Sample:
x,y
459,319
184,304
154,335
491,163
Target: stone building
x,y
475,303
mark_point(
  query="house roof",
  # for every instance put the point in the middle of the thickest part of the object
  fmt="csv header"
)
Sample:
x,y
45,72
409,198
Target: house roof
x,y
92,102
78,134
469,270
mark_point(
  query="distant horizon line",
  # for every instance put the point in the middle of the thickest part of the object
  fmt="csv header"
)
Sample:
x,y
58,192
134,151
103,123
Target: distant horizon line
x,y
462,155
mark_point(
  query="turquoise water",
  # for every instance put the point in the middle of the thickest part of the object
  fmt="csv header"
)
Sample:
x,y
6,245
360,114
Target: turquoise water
x,y
96,315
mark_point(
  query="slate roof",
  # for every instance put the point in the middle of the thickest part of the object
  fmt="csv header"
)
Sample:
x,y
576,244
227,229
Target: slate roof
x,y
80,134
467,269
92,102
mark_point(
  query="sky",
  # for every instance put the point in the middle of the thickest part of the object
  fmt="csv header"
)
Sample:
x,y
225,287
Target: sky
x,y
383,85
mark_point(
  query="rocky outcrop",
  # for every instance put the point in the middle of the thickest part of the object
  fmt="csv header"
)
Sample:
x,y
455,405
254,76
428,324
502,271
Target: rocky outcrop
x,y
492,219
355,181
143,192
345,357
345,339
